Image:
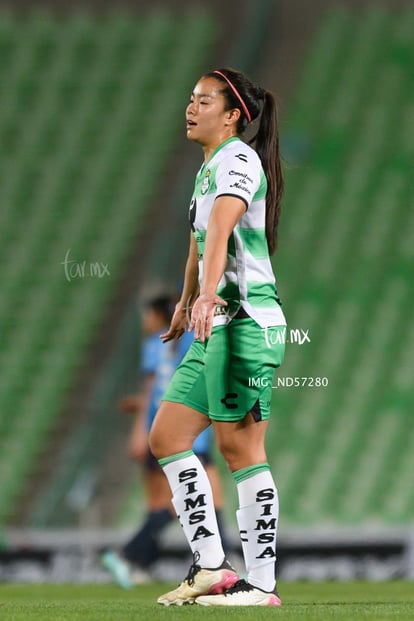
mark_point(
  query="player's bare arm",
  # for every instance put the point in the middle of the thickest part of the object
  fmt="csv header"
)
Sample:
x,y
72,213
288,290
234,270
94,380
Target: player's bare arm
x,y
224,216
188,295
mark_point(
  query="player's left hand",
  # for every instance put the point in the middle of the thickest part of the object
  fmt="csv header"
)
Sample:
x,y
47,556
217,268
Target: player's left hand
x,y
202,315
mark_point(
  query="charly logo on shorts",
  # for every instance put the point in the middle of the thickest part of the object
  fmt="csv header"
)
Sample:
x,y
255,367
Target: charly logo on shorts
x,y
206,182
229,400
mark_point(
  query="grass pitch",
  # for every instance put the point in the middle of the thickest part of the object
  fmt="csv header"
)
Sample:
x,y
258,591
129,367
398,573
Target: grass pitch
x,y
352,601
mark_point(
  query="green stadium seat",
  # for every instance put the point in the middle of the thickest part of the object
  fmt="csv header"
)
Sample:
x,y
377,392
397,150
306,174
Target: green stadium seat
x,y
343,451
76,100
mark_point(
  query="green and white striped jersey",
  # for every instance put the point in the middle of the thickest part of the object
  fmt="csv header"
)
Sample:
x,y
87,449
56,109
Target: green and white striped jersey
x,y
234,169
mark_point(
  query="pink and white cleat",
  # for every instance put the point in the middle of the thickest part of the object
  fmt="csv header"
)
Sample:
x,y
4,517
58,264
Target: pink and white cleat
x,y
241,594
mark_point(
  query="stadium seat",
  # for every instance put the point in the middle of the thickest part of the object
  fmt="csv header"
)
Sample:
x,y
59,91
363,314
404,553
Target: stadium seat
x,y
79,165
343,452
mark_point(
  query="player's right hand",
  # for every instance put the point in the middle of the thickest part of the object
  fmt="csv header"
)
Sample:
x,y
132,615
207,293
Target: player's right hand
x,y
177,325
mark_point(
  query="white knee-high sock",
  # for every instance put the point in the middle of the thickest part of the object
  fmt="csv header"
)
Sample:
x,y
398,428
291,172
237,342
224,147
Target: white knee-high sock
x,y
193,502
257,518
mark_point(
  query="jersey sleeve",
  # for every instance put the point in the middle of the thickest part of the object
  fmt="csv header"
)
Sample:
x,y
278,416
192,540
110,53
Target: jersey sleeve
x,y
239,175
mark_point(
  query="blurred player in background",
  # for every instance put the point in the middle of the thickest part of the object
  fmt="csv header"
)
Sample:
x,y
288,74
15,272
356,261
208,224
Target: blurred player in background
x,y
158,363
226,377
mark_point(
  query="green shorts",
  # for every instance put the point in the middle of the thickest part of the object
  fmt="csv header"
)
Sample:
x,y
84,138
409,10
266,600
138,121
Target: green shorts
x,y
231,374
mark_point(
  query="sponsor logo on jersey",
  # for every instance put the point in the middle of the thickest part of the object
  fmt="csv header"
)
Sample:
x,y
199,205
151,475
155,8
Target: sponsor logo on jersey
x,y
241,182
242,157
206,182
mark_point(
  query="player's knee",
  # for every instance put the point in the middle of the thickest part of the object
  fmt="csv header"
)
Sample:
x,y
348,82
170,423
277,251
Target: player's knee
x,y
162,446
155,443
239,455
230,450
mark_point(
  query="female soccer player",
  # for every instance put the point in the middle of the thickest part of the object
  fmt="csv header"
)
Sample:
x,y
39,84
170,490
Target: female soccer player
x,y
226,377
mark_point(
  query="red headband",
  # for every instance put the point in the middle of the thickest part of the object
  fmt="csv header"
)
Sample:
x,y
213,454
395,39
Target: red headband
x,y
236,92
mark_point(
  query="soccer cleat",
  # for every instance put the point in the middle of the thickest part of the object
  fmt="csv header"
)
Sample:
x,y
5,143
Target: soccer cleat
x,y
118,568
241,594
200,581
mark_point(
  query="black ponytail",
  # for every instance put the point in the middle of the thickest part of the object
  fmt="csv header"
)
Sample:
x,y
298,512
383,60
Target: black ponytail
x,y
267,145
266,142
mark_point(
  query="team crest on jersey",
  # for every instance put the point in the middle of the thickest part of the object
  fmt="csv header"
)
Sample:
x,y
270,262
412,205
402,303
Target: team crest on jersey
x,y
206,182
